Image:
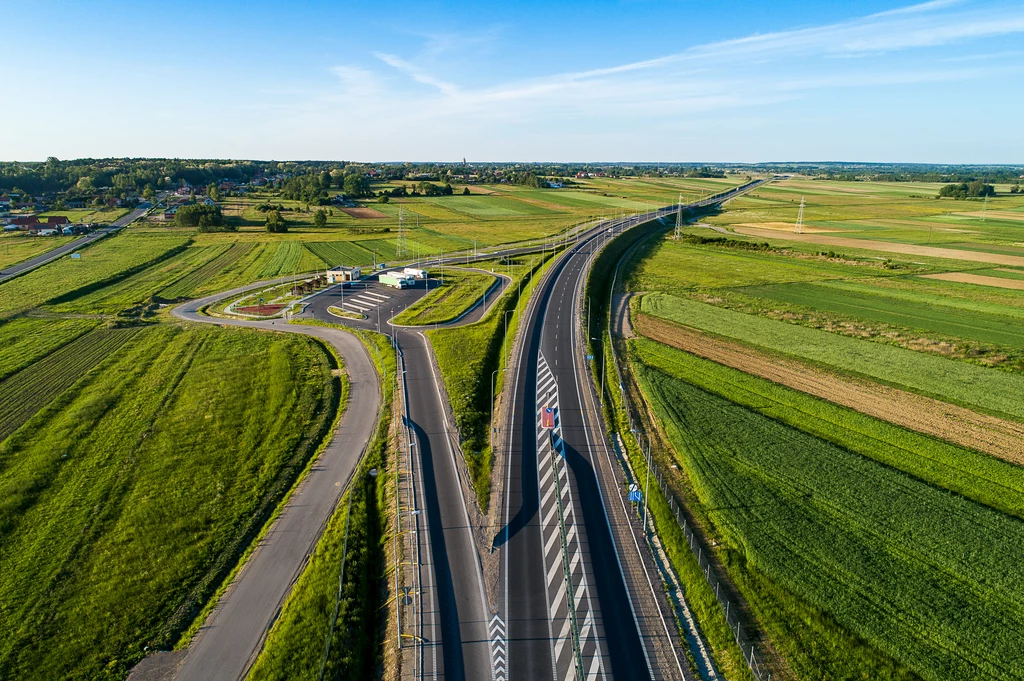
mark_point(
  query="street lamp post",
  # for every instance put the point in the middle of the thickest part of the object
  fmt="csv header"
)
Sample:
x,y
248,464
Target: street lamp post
x,y
493,374
504,339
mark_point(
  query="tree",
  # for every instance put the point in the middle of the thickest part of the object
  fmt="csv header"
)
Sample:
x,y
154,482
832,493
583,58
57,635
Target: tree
x,y
148,192
276,223
320,218
213,192
84,184
964,190
199,215
325,180
356,186
465,191
384,198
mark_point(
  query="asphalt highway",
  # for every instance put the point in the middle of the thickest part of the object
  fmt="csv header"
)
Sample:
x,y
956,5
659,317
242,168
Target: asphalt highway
x,y
71,246
575,596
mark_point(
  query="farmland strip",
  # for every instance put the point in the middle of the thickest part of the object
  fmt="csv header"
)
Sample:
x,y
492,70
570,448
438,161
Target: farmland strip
x,y
190,282
999,437
32,388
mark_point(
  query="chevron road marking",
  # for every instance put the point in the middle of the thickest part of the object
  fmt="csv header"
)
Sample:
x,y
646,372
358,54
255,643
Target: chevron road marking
x,y
499,664
553,480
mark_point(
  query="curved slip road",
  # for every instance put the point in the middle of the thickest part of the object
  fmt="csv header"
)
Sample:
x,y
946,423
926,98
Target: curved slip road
x,y
233,634
454,631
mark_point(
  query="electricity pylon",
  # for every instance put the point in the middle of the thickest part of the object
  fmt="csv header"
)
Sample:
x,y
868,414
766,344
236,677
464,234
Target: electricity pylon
x,y
679,216
800,218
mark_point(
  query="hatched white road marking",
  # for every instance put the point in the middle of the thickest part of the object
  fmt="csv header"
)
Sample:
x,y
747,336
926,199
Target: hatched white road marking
x,y
560,546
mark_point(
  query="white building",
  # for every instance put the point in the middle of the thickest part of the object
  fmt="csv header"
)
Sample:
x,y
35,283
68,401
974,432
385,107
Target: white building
x,y
336,275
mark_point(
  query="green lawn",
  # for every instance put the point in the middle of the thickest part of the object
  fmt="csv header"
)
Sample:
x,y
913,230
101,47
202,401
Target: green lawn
x,y
128,498
945,379
856,569
460,291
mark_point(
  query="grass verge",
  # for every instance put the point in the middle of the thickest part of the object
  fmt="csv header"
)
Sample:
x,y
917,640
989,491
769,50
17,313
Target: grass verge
x,y
331,622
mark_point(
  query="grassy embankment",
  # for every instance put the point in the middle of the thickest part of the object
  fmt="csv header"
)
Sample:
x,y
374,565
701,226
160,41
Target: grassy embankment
x,y
853,566
467,356
130,496
460,290
318,614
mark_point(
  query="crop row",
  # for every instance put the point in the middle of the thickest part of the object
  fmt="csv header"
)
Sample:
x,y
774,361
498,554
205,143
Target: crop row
x,y
184,286
982,478
339,252
943,378
892,559
28,391
23,340
121,517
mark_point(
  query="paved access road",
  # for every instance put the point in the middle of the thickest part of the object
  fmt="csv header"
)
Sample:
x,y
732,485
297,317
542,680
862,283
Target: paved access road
x,y
453,610
232,635
71,246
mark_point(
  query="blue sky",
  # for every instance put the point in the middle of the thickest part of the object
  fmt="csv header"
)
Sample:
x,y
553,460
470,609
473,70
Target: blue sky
x,y
631,80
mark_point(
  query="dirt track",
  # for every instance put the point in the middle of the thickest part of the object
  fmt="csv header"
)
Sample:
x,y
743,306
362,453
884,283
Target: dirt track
x,y
965,278
998,437
888,247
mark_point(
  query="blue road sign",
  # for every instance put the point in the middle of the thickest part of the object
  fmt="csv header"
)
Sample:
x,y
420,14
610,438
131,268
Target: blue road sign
x,y
590,357
636,495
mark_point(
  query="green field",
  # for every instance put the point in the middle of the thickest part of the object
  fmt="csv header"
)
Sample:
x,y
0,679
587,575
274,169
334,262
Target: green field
x,y
28,391
25,339
102,264
17,247
877,307
856,569
459,292
945,379
126,500
676,267
889,211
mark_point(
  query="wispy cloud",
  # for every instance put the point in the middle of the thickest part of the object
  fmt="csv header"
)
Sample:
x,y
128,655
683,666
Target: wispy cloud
x,y
747,74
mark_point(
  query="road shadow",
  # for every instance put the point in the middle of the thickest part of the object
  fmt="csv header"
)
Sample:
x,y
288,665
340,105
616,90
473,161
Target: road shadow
x,y
621,638
451,636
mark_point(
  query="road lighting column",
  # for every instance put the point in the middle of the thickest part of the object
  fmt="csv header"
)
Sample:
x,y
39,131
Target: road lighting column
x,y
493,374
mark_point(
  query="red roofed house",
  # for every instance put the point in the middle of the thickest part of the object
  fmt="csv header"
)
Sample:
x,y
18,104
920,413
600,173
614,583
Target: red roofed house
x,y
57,220
25,222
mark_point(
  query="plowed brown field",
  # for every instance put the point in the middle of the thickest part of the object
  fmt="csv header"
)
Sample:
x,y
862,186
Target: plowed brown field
x,y
1001,438
967,278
